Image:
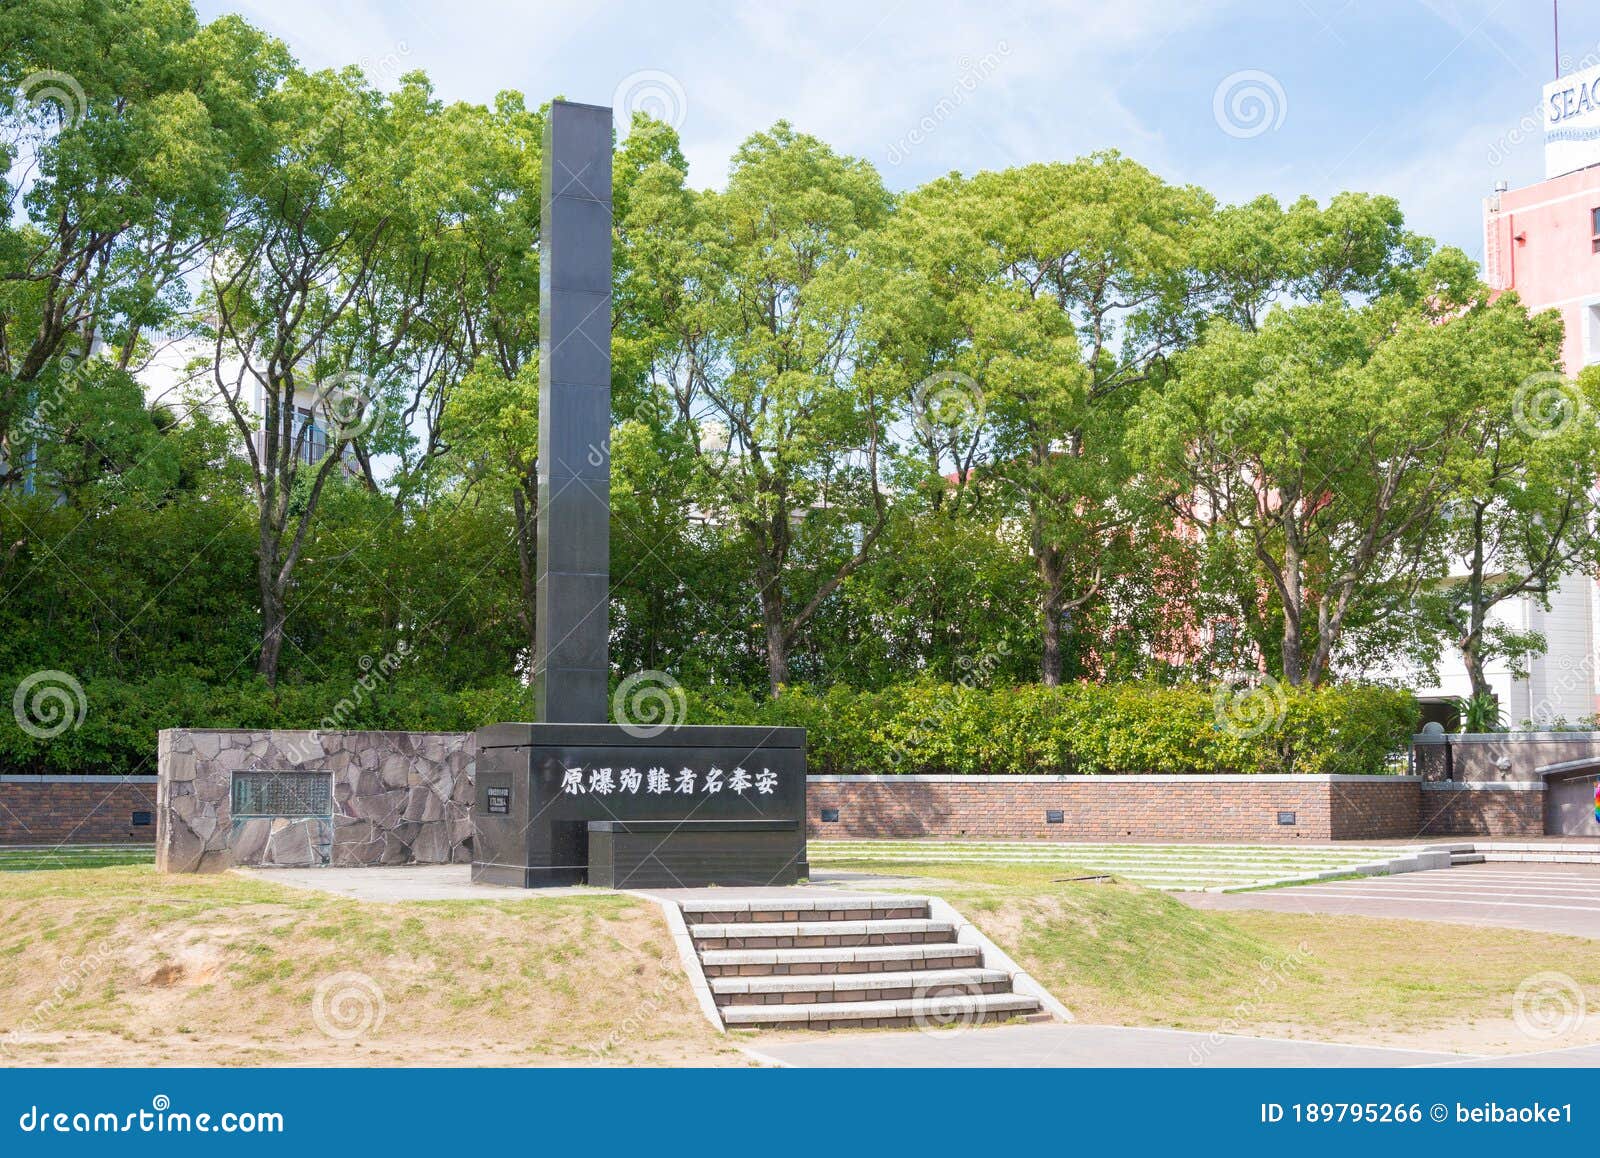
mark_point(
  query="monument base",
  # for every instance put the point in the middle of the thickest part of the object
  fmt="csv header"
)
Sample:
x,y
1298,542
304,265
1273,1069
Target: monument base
x,y
666,854
688,806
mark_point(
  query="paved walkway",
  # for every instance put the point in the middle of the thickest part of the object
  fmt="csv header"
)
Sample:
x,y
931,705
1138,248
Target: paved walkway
x,y
387,884
1079,1046
391,883
1157,866
1549,898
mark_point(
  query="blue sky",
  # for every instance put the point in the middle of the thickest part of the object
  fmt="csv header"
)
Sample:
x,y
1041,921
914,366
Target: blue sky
x,y
1430,101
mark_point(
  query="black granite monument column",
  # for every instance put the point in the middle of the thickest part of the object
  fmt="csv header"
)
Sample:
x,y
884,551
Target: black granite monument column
x,y
569,797
570,663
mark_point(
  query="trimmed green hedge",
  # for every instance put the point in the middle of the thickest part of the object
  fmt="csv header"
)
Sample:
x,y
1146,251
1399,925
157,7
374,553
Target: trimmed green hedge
x,y
921,727
1086,728
120,720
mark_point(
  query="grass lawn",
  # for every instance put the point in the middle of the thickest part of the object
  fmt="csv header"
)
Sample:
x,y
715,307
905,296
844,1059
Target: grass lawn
x,y
125,966
1115,953
23,859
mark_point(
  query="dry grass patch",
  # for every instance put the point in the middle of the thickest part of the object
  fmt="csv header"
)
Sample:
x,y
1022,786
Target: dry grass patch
x,y
122,965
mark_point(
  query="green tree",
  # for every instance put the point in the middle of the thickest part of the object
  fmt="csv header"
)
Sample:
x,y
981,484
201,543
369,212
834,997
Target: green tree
x,y
122,123
761,356
1521,515
1058,294
1325,443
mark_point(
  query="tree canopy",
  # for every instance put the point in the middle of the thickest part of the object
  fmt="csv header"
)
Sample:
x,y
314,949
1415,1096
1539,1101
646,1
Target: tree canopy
x,y
1065,421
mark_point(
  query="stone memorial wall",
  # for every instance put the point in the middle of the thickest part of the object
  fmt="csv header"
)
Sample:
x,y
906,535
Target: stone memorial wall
x,y
390,798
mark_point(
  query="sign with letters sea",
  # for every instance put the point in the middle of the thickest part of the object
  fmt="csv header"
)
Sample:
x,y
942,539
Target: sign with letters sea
x,y
1572,122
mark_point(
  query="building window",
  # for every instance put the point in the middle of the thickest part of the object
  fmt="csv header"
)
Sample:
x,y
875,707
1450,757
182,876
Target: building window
x,y
1594,230
312,438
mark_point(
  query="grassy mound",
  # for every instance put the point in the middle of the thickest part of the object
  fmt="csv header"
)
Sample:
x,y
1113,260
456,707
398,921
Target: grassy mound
x,y
1118,954
123,965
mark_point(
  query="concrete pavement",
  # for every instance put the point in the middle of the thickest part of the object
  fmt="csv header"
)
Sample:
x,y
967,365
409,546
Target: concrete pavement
x,y
1547,898
1080,1046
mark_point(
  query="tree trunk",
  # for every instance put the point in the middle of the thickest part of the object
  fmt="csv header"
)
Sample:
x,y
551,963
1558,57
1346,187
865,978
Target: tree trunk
x,y
777,642
273,613
1469,646
1293,609
1471,642
1050,572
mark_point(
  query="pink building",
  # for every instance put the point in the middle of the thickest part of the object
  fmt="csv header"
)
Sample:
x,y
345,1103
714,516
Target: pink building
x,y
1544,242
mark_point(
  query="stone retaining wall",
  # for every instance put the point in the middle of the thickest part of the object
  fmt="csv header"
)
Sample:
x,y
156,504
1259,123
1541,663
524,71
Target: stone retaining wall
x,y
55,810
1513,757
1201,808
397,798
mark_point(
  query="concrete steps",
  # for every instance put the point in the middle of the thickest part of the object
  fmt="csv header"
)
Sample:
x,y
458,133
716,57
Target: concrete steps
x,y
822,962
842,959
938,1013
815,989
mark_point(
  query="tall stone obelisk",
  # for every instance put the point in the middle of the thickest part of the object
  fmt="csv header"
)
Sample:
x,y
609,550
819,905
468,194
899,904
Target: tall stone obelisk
x,y
570,660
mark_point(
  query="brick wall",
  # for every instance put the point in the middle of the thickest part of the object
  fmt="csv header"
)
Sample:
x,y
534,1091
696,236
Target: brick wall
x,y
1374,808
99,809
1219,808
1505,810
54,810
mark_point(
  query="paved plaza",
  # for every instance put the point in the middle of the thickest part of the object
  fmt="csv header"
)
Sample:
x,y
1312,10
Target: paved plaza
x,y
1549,898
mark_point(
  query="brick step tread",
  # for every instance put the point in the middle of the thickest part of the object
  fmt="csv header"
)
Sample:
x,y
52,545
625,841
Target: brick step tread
x,y
931,979
699,909
790,916
819,928
935,1010
754,938
844,959
867,990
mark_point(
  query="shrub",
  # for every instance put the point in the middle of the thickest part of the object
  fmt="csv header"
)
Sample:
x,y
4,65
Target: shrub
x,y
919,727
1086,728
120,720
